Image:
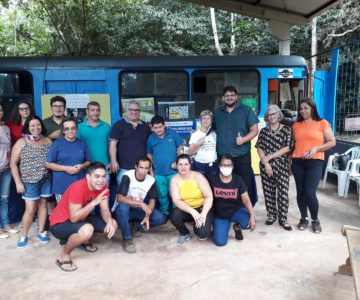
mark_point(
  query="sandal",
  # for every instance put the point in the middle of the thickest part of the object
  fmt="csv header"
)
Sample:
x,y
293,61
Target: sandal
x,y
61,264
88,247
238,233
270,221
286,226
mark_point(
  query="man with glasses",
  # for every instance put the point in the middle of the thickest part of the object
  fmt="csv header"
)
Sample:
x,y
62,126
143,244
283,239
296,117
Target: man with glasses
x,y
127,141
236,126
52,124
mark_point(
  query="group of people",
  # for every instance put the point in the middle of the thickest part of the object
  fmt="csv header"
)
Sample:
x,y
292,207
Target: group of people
x,y
212,186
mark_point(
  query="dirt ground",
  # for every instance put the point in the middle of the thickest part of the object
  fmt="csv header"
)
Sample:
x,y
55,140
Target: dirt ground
x,y
270,263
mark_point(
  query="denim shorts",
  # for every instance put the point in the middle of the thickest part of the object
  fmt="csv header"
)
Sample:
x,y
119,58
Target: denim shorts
x,y
63,231
35,191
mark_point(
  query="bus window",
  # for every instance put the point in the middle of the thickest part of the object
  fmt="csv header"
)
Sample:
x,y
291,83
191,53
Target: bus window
x,y
15,86
208,86
162,86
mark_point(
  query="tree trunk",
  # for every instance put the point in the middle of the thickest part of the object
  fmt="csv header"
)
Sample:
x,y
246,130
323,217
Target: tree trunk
x,y
216,37
232,41
313,51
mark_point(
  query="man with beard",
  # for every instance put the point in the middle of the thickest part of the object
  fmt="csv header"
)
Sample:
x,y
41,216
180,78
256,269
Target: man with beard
x,y
236,126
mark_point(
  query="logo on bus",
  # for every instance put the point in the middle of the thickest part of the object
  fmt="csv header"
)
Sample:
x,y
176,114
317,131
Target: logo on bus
x,y
286,73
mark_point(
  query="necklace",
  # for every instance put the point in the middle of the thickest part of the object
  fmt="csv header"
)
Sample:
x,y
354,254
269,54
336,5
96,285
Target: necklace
x,y
274,131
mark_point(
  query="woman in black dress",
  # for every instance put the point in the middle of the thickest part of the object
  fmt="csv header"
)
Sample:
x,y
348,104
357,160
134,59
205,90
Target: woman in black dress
x,y
273,145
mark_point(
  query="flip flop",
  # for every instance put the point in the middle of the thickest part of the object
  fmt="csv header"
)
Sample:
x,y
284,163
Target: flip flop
x,y
88,247
61,264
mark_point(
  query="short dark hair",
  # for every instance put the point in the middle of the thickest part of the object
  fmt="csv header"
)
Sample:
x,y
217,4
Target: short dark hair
x,y
183,156
93,103
25,129
157,120
67,119
15,115
314,113
2,105
94,166
226,156
58,99
229,88
143,158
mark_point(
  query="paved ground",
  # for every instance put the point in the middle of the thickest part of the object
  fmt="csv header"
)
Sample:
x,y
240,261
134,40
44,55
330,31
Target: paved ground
x,y
270,263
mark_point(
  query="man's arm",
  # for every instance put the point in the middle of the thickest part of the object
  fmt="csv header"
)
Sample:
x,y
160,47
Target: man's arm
x,y
254,130
114,165
78,213
55,134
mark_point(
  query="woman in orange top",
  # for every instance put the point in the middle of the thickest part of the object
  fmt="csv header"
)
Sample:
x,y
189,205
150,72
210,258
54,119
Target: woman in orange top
x,y
313,136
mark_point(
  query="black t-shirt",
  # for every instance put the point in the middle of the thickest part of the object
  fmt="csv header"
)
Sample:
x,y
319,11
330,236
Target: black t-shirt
x,y
227,196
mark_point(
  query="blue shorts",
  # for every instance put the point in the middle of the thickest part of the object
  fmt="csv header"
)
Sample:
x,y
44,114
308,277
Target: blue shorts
x,y
35,191
63,231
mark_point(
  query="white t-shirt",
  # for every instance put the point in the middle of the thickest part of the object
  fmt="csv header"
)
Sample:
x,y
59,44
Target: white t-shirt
x,y
207,151
4,147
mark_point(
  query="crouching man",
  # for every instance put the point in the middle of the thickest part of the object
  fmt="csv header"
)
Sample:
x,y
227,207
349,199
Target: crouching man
x,y
71,221
136,202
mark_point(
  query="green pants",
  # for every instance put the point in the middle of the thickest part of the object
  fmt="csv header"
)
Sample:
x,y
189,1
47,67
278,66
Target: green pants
x,y
163,188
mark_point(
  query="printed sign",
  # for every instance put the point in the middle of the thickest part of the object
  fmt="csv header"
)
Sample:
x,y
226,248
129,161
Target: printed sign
x,y
352,123
285,73
251,102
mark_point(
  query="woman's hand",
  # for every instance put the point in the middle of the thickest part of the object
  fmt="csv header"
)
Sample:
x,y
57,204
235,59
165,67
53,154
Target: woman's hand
x,y
20,188
197,218
252,222
311,153
268,170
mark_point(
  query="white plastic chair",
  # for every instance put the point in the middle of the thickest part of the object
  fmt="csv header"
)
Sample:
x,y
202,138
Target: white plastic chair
x,y
342,175
353,175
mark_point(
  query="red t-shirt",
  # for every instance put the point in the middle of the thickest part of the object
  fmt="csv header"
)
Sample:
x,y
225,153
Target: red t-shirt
x,y
15,131
76,193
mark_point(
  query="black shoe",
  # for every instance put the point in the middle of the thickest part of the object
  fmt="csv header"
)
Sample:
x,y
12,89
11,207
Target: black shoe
x,y
303,224
270,221
238,233
316,226
285,225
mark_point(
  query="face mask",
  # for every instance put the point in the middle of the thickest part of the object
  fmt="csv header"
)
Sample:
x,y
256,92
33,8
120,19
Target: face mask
x,y
226,171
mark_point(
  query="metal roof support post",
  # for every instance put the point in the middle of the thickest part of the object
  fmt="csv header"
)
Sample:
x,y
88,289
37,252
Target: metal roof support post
x,y
281,31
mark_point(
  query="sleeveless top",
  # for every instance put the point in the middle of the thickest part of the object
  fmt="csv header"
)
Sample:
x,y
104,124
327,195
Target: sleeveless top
x,y
190,193
32,162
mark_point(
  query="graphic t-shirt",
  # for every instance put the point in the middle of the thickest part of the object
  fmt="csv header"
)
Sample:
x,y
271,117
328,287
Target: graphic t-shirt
x,y
227,196
207,151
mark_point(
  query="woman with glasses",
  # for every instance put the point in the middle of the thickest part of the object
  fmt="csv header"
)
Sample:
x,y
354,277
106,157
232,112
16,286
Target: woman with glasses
x,y
231,203
202,146
274,144
68,157
20,112
31,177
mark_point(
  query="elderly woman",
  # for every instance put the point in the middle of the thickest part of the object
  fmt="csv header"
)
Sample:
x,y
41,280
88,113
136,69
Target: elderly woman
x,y
313,136
273,146
68,157
31,177
20,112
231,203
202,146
192,196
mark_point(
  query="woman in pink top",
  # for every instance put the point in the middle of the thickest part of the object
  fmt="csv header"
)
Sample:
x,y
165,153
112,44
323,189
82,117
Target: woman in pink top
x,y
313,136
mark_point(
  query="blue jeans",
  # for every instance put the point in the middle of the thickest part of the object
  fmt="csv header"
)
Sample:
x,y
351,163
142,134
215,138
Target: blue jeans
x,y
221,227
125,213
205,169
5,179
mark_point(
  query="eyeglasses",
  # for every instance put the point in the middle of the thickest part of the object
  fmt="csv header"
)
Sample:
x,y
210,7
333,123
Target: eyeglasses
x,y
58,106
230,96
226,166
66,129
24,108
133,110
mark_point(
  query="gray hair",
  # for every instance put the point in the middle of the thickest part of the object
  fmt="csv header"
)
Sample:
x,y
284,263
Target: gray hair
x,y
206,112
133,102
274,108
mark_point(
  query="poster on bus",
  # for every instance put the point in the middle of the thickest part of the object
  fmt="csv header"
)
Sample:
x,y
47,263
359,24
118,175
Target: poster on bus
x,y
147,107
76,105
178,116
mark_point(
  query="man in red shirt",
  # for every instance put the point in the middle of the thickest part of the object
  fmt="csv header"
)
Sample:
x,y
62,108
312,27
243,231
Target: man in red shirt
x,y
71,221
